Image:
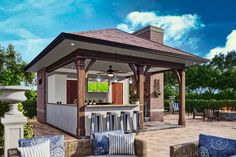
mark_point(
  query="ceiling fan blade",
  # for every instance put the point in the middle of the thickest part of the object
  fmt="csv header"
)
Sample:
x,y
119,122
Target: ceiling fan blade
x,y
119,71
102,73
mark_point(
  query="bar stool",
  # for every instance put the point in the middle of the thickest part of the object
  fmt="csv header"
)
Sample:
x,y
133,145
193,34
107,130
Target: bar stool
x,y
136,121
112,121
126,122
96,122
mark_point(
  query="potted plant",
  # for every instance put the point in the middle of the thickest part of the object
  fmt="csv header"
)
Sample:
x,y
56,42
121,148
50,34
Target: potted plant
x,y
75,101
156,93
137,102
90,102
156,88
94,102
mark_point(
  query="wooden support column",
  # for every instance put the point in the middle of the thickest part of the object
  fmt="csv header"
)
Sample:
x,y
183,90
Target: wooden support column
x,y
80,66
140,84
181,79
182,120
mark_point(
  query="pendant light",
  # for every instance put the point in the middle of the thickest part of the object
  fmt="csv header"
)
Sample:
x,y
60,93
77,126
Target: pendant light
x,y
115,79
99,79
130,80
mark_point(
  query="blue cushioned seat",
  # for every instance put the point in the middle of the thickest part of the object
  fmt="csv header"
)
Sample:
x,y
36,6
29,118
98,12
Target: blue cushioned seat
x,y
212,146
101,141
56,144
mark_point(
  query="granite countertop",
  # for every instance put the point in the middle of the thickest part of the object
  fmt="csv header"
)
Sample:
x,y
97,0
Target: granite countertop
x,y
113,105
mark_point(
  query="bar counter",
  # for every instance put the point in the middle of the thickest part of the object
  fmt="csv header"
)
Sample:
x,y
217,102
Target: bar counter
x,y
64,116
112,105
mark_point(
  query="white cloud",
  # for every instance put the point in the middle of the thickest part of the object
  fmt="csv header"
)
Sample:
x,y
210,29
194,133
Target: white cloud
x,y
230,45
29,44
177,27
26,22
28,48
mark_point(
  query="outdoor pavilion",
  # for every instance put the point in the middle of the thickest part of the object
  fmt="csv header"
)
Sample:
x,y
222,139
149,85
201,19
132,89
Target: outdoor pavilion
x,y
140,53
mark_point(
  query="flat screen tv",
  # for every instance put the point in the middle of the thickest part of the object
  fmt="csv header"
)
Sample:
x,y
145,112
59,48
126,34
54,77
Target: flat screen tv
x,y
95,86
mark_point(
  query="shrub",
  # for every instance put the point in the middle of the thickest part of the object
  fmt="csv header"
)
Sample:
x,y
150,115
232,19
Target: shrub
x,y
201,104
1,139
28,131
29,106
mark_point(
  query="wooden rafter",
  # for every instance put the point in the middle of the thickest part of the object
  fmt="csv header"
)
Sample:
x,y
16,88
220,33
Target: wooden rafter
x,y
92,61
177,74
132,67
147,69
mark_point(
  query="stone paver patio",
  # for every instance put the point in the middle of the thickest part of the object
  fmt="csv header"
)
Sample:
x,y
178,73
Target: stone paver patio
x,y
159,141
44,129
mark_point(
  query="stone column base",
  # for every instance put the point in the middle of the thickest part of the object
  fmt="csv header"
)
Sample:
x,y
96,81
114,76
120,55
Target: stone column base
x,y
13,130
41,116
157,115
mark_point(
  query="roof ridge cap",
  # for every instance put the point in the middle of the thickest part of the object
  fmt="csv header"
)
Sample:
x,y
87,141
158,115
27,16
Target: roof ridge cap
x,y
93,30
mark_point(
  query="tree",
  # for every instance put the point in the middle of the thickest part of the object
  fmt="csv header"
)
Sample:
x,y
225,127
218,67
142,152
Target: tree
x,y
170,85
227,65
12,68
12,73
211,80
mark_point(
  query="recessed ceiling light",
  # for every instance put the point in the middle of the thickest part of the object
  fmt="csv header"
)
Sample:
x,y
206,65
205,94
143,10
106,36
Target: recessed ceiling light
x,y
72,44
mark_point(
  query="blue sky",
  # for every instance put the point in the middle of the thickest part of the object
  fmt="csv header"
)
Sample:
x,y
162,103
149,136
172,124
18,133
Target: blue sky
x,y
203,27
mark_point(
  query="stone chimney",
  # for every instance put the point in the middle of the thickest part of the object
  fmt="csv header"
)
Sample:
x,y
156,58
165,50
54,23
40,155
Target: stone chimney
x,y
152,33
154,104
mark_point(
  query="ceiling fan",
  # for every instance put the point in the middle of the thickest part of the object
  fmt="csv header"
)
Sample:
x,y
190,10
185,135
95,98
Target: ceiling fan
x,y
110,72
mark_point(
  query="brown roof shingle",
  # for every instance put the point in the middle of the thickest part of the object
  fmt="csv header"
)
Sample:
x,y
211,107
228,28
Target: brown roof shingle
x,y
118,36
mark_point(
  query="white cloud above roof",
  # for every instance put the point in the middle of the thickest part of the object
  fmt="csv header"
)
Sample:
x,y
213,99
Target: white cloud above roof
x,y
230,45
177,27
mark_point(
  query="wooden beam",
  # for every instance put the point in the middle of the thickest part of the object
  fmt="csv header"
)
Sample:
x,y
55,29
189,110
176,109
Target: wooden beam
x,y
80,66
62,62
108,56
114,57
162,71
92,61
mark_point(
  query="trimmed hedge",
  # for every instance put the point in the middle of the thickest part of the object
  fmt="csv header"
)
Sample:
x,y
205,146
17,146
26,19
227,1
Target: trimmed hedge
x,y
201,104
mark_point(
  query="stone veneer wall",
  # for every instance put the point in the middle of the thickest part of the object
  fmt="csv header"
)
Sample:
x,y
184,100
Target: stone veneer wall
x,y
155,105
41,98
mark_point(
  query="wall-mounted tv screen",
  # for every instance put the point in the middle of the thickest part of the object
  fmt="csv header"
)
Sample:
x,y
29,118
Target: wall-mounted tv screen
x,y
94,86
